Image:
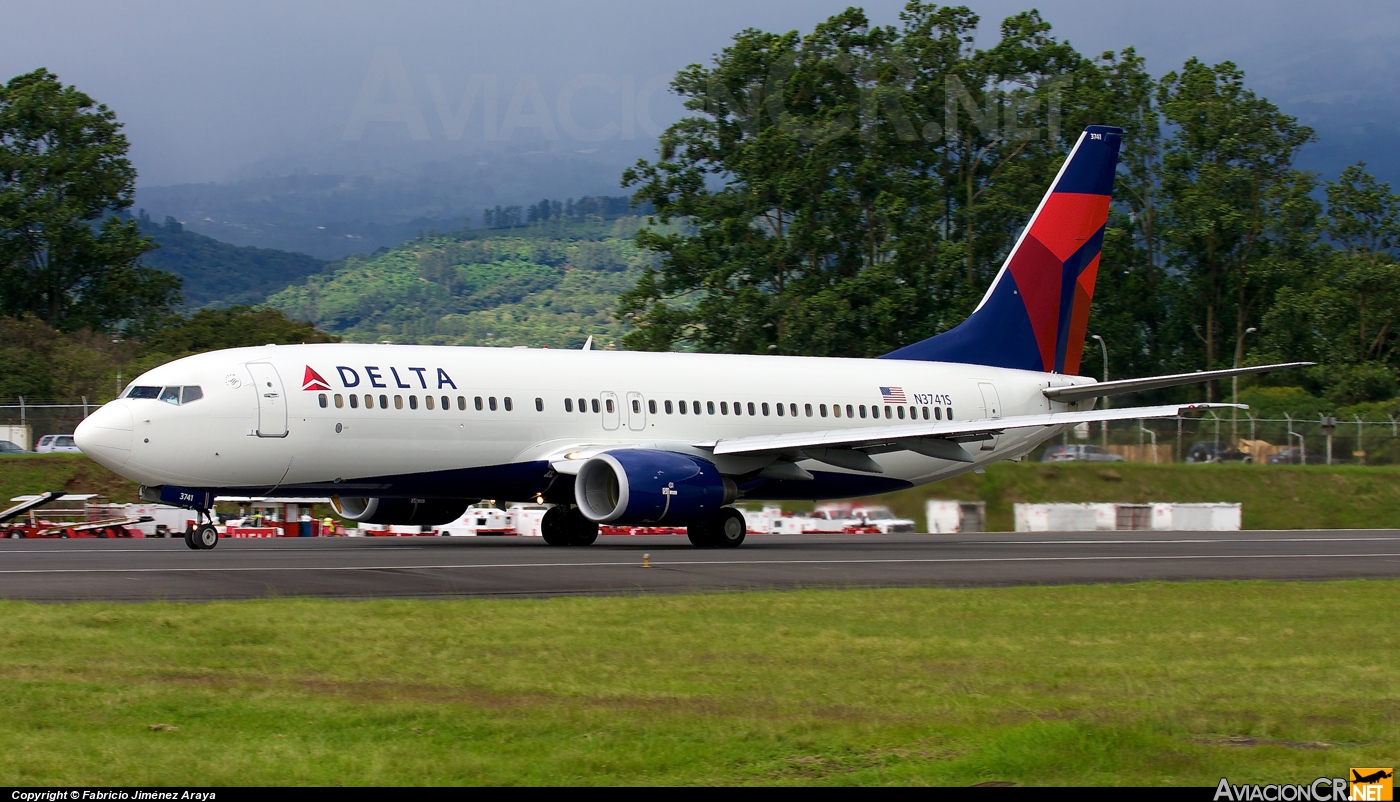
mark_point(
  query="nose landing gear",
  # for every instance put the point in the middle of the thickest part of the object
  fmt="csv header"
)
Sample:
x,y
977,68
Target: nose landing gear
x,y
202,535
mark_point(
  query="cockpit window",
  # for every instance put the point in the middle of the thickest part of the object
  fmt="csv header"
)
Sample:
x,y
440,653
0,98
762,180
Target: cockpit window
x,y
143,392
170,395
190,393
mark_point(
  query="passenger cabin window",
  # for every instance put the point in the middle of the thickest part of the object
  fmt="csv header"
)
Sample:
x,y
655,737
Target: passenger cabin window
x,y
669,407
369,401
610,405
836,410
901,413
709,407
862,409
354,402
383,402
568,405
780,410
637,406
428,402
508,404
681,404
808,409
461,403
491,403
594,404
651,405
539,405
751,409
322,400
478,403
339,401
724,407
765,409
938,413
792,408
143,392
446,403
822,408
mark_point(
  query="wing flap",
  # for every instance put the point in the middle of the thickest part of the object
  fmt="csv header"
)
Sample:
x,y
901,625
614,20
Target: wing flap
x,y
955,431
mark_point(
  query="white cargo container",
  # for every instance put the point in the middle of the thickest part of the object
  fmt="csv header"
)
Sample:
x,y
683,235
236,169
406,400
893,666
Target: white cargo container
x,y
1160,516
946,517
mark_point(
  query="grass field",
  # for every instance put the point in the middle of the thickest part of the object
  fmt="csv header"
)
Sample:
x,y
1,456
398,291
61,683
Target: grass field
x,y
1134,684
1274,497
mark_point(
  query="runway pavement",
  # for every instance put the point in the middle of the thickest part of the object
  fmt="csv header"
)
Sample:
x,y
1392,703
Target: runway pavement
x,y
67,570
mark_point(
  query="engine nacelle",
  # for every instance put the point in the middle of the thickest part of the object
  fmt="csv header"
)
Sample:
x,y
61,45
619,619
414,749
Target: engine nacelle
x,y
641,486
400,511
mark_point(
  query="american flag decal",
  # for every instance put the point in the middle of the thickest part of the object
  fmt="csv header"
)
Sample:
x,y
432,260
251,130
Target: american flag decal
x,y
893,395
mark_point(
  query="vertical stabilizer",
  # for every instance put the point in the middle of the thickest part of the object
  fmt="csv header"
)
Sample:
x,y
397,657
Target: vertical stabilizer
x,y
1036,313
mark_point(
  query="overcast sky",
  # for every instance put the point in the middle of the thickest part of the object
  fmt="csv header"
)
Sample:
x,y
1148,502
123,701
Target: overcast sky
x,y
214,90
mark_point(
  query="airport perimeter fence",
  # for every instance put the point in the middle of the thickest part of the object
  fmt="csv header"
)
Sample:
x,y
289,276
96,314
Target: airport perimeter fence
x,y
1263,440
1287,440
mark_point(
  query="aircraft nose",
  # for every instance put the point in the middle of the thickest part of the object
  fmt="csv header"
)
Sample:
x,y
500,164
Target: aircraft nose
x,y
105,435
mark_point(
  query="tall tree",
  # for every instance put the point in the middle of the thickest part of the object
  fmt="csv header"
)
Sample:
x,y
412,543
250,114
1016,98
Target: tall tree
x,y
1226,177
63,169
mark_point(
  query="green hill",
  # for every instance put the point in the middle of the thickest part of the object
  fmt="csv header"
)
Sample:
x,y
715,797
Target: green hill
x,y
219,274
552,284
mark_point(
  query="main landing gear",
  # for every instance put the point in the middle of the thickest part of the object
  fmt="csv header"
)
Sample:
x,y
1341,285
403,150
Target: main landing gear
x,y
724,531
202,535
567,526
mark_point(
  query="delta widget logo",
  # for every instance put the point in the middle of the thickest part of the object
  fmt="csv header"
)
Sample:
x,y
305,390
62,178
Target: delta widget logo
x,y
313,381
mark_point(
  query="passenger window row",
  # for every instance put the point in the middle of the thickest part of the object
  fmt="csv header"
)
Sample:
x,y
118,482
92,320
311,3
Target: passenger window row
x,y
682,407
808,410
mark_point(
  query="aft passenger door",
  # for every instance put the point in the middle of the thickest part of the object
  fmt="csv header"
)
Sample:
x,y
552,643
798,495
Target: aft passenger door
x,y
611,414
991,409
272,401
636,412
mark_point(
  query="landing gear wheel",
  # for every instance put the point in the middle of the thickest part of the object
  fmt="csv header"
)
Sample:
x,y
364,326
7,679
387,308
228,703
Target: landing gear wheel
x,y
205,536
700,535
554,527
582,532
189,538
728,529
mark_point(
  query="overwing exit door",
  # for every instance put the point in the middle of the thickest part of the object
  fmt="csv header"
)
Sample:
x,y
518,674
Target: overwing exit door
x,y
272,401
611,414
636,412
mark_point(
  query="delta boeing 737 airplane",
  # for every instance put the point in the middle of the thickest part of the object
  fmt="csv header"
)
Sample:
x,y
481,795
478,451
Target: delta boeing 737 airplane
x,y
405,434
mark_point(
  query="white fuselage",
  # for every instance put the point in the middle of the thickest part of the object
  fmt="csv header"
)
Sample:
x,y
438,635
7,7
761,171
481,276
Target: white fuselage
x,y
255,428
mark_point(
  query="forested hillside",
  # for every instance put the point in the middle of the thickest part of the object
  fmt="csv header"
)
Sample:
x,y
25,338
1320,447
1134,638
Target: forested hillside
x,y
219,274
554,283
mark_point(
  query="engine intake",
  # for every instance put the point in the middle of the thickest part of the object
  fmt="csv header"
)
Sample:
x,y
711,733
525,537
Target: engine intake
x,y
400,511
642,486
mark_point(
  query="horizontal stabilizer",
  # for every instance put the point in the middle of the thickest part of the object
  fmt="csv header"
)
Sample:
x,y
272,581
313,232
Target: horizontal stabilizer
x,y
1079,392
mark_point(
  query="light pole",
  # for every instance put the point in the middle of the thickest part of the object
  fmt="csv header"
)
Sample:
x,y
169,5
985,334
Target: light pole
x,y
1235,389
1103,426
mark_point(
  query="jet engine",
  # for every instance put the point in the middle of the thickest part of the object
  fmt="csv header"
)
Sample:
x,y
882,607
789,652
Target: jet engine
x,y
400,511
642,486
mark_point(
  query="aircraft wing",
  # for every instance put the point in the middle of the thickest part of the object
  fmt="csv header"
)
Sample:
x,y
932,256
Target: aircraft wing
x,y
850,447
1079,392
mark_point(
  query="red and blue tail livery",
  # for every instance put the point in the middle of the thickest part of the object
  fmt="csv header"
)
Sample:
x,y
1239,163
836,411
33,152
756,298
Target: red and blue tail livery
x,y
1036,313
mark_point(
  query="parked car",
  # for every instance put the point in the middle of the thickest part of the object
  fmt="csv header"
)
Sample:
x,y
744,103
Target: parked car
x,y
57,444
1080,453
1294,456
6,447
1215,451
